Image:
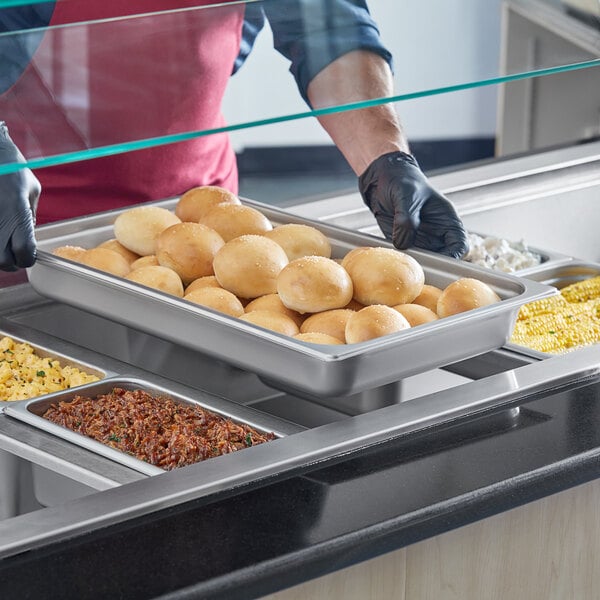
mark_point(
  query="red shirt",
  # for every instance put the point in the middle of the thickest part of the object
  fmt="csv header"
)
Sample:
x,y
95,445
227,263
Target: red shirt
x,y
115,81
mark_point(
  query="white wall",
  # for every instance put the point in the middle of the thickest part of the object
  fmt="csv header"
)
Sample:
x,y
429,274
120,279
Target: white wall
x,y
435,43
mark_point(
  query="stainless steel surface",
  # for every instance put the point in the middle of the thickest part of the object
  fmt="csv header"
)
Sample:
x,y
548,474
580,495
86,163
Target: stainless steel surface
x,y
43,350
560,276
498,392
308,370
58,455
32,411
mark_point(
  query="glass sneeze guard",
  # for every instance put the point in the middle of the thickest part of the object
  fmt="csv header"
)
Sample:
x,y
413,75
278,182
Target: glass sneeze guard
x,y
87,88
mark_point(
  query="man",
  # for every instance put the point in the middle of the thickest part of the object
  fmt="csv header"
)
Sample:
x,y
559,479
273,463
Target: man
x,y
167,73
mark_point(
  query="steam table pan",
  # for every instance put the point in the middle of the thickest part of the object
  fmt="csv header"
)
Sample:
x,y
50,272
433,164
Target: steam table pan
x,y
308,370
47,348
31,411
557,276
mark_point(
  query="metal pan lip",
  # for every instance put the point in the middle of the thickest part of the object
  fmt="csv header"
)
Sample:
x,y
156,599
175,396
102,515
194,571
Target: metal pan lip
x,y
46,351
21,410
552,273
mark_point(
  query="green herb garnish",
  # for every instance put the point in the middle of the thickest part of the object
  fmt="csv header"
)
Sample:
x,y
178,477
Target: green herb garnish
x,y
248,440
114,438
41,373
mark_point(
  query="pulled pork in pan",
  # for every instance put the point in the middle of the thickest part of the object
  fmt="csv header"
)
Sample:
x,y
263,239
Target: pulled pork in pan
x,y
157,430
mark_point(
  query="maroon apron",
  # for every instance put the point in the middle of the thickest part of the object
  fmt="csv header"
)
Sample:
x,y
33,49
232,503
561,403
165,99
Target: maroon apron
x,y
123,80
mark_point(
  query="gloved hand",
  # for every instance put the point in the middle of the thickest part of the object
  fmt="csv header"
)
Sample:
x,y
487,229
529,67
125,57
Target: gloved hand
x,y
19,194
409,211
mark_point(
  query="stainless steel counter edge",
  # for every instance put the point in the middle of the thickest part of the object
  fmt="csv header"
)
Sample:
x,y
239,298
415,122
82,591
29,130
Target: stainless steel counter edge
x,y
480,187
294,452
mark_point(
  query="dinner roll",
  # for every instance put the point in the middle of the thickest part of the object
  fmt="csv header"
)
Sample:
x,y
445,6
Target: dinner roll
x,y
428,297
231,221
350,256
372,322
271,319
465,294
300,240
217,298
318,338
202,282
105,260
248,266
195,203
416,314
188,249
314,284
385,276
138,228
158,277
331,322
273,302
70,252
114,244
145,261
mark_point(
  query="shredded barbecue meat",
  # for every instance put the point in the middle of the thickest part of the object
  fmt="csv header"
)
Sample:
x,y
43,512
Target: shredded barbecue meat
x,y
157,430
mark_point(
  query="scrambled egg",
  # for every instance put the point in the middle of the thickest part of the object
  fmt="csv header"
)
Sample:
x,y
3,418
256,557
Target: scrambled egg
x,y
24,374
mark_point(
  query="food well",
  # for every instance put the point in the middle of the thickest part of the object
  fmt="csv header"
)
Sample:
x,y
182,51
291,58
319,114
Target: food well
x,y
163,429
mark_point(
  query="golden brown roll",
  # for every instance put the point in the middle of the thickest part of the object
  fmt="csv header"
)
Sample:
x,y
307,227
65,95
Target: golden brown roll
x,y
385,276
248,266
105,260
350,256
202,282
313,284
189,249
372,322
315,337
195,203
160,278
416,314
115,245
331,322
217,298
145,261
300,240
273,320
465,294
231,221
70,252
138,228
429,297
273,302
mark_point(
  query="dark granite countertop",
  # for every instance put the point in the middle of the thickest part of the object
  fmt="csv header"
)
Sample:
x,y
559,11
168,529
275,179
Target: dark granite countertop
x,y
257,539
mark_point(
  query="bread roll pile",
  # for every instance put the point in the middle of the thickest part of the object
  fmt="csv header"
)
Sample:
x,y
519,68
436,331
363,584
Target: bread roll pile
x,y
215,252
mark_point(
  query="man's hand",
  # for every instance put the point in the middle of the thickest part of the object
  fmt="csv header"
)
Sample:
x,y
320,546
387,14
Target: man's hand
x,y
19,194
409,211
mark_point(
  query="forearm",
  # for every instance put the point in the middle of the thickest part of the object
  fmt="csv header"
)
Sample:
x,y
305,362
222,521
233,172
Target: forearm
x,y
365,134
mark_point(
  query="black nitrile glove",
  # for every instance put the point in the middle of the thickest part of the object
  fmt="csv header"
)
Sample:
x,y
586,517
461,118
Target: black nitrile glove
x,y
19,194
407,208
